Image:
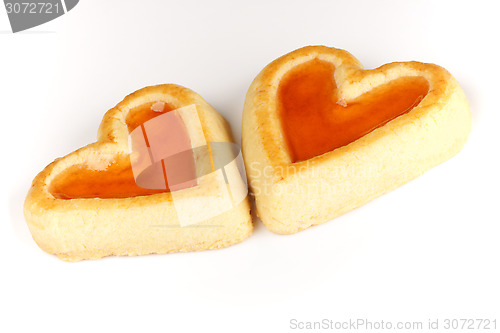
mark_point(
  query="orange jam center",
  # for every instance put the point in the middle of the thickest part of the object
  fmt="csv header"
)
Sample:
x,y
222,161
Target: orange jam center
x,y
116,180
315,121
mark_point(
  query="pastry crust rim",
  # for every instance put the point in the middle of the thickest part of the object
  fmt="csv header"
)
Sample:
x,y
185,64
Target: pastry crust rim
x,y
441,85
112,139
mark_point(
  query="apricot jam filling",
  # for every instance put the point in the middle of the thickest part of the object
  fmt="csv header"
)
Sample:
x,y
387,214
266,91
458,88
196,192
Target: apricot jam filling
x,y
315,121
114,180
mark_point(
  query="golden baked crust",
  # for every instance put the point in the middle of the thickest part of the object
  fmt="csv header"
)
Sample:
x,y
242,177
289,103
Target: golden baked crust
x,y
293,196
78,229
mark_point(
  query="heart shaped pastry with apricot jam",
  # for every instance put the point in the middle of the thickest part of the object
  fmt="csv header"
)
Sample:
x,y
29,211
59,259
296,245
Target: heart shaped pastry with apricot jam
x,y
322,136
162,177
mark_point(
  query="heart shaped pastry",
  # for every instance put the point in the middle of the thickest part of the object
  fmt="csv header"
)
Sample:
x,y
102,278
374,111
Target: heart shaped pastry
x,y
322,136
163,176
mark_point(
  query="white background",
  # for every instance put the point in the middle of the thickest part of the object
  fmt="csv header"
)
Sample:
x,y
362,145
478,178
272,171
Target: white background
x,y
429,249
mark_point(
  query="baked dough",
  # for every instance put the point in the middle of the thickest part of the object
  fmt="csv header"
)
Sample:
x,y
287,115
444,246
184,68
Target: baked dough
x,y
90,228
292,195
